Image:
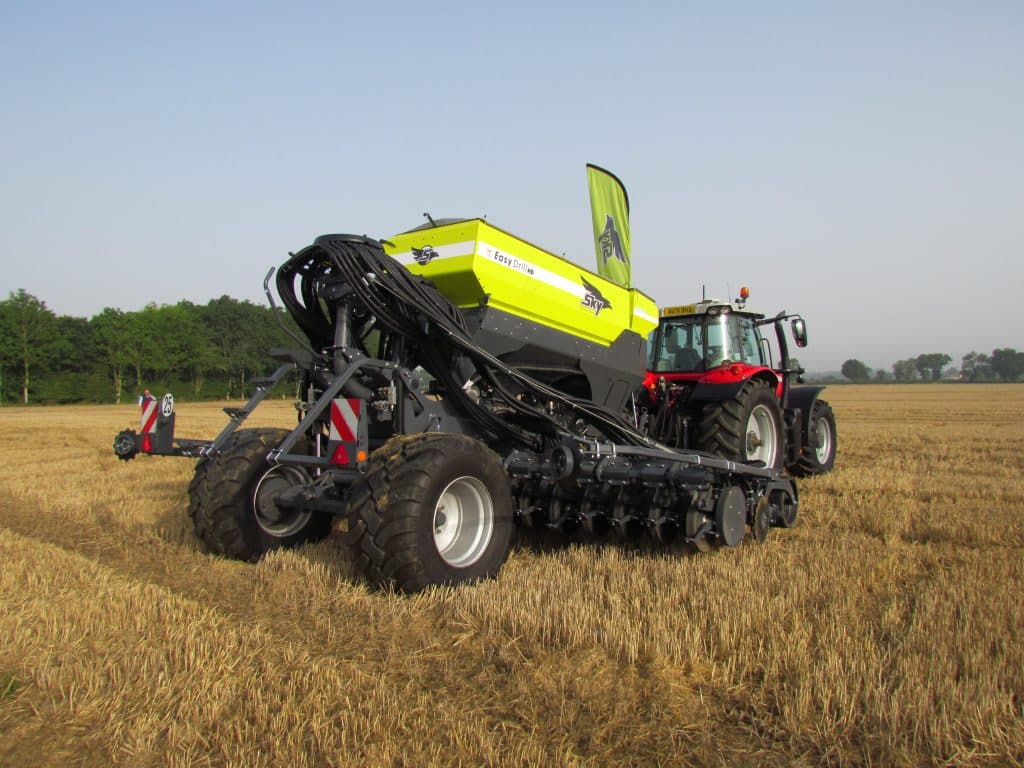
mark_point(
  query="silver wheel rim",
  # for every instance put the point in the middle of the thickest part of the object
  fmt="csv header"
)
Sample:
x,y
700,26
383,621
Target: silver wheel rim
x,y
463,522
762,438
823,441
270,517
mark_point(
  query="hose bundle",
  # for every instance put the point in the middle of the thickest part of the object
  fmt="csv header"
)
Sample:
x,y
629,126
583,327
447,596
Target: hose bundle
x,y
409,306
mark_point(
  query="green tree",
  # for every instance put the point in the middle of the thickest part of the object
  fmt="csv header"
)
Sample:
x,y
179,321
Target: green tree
x,y
241,333
225,319
930,365
1008,363
73,348
882,376
31,332
855,371
194,349
904,370
64,373
976,366
170,339
8,354
139,349
111,335
154,348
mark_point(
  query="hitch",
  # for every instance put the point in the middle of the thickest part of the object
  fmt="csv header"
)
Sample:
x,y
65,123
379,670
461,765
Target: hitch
x,y
156,433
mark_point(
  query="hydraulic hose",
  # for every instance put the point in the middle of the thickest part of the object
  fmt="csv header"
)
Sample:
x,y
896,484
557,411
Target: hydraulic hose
x,y
411,307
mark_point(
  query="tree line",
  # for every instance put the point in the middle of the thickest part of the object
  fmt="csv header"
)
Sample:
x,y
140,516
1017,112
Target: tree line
x,y
211,351
1005,364
196,351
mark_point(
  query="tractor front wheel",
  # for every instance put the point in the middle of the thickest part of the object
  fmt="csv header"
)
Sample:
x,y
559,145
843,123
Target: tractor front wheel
x,y
819,454
747,427
233,500
432,509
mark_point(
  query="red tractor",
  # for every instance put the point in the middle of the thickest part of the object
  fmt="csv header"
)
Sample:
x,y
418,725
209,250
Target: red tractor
x,y
712,385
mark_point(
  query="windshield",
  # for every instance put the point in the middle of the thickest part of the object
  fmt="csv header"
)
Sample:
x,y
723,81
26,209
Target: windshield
x,y
680,345
701,342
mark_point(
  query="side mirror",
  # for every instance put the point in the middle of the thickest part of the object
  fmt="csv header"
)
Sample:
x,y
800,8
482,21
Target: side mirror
x,y
799,331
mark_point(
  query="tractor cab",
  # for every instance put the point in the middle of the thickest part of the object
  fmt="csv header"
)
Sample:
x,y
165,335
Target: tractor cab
x,y
716,342
695,339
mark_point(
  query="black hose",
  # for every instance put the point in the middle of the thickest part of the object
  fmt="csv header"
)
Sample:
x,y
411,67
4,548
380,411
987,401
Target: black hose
x,y
411,307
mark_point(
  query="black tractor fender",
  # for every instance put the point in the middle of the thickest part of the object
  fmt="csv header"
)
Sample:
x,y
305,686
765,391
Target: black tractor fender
x,y
801,399
710,393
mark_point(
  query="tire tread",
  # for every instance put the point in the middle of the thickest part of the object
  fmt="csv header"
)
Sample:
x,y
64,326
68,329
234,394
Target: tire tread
x,y
722,424
385,512
220,503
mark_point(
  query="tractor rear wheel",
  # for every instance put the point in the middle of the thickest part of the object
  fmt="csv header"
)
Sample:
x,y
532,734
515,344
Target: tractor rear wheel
x,y
197,499
819,454
232,500
432,509
746,428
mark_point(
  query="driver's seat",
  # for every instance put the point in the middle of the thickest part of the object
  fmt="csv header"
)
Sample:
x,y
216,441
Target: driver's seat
x,y
688,359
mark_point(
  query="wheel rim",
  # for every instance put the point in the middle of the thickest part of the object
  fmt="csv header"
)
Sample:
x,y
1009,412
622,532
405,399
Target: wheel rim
x,y
762,436
463,522
823,441
272,518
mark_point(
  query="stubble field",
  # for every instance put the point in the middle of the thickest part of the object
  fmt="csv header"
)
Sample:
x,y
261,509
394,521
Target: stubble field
x,y
884,629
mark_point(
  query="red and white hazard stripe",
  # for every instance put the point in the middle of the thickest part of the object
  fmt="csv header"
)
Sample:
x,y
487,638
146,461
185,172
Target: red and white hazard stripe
x,y
344,428
147,425
345,419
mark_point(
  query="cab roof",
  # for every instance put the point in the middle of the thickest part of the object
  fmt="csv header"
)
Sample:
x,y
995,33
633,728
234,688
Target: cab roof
x,y
709,307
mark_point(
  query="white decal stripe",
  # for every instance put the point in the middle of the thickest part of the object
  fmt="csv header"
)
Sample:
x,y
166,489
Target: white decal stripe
x,y
641,314
442,251
530,269
510,261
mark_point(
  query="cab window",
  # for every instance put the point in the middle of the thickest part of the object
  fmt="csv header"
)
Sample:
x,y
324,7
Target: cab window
x,y
744,347
679,346
732,339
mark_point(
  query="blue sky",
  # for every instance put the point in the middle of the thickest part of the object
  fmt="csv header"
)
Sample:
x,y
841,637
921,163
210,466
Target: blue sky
x,y
860,163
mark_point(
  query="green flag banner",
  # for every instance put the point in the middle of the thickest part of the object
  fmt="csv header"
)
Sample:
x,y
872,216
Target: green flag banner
x,y
609,207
